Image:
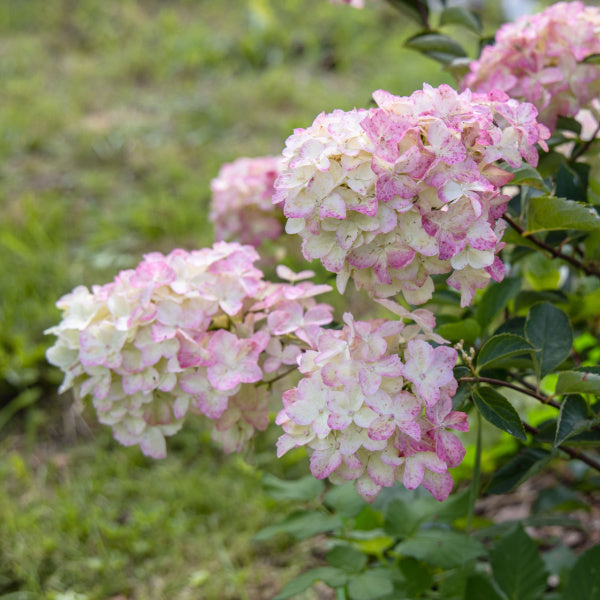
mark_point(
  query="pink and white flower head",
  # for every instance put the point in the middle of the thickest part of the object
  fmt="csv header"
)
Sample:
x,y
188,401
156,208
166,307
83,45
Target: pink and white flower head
x,y
373,415
539,59
186,332
393,195
241,208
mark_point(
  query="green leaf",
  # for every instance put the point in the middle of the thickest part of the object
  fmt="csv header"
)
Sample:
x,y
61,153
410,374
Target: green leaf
x,y
457,15
441,547
347,558
402,518
517,566
467,330
305,488
300,525
548,213
518,469
569,123
578,382
480,587
494,299
572,181
572,418
370,585
498,411
584,580
592,58
418,576
500,347
415,9
437,46
527,175
548,329
331,576
344,500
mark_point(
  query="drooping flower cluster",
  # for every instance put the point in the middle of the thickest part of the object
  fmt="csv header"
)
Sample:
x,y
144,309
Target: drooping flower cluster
x,y
373,416
393,195
186,332
241,207
539,59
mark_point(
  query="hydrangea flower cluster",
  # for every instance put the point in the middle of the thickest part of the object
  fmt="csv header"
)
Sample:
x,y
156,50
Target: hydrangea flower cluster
x,y
539,58
392,195
241,208
186,332
373,416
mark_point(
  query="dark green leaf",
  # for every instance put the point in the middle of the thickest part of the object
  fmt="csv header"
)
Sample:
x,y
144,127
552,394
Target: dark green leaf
x,y
305,488
457,15
415,9
584,580
300,525
467,330
402,518
528,298
441,547
518,469
572,181
347,558
578,382
418,576
497,410
527,175
592,58
480,587
515,326
569,123
546,213
558,498
331,576
572,418
548,329
518,567
501,346
437,46
494,299
370,585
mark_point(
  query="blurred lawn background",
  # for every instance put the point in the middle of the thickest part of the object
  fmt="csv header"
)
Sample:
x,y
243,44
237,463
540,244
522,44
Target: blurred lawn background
x,y
114,117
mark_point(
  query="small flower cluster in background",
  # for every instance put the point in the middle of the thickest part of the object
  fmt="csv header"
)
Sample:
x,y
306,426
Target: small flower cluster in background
x,y
184,332
375,416
393,195
539,59
241,208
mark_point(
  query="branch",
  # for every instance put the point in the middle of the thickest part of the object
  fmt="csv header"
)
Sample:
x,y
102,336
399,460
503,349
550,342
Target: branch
x,y
523,390
553,251
572,452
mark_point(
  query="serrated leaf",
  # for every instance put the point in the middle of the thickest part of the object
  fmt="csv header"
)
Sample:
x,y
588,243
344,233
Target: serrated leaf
x,y
572,418
527,175
584,580
518,469
457,15
578,382
331,576
546,213
370,585
438,46
465,329
517,566
441,547
500,347
494,300
300,525
347,558
548,329
305,488
498,411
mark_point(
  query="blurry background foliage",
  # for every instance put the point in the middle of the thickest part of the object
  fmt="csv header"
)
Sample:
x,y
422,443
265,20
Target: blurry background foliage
x,y
115,116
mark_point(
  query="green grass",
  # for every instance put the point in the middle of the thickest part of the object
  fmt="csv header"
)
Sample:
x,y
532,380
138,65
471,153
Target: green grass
x,y
116,114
